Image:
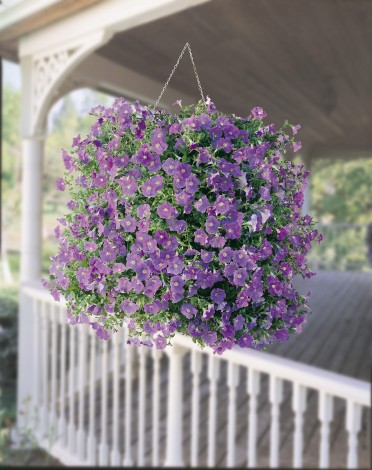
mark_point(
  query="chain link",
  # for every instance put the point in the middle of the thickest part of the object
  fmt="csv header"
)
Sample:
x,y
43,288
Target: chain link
x,y
186,46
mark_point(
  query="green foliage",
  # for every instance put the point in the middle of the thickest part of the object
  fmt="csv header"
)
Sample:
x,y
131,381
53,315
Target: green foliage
x,y
342,191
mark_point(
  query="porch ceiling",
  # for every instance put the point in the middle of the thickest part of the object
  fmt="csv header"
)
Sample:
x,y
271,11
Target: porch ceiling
x,y
308,61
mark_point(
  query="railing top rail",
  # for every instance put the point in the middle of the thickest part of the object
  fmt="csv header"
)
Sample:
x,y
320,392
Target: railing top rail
x,y
334,384
341,225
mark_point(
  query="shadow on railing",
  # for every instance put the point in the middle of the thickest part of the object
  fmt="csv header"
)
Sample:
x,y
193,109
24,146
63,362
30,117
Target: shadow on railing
x,y
344,247
114,404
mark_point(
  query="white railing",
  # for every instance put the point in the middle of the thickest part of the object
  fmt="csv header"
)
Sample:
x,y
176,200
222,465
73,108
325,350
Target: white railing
x,y
108,403
343,247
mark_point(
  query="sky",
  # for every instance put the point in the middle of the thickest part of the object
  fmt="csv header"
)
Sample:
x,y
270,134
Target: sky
x,y
11,74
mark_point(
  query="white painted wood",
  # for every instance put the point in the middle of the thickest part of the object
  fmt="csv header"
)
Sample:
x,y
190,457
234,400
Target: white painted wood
x,y
232,382
174,454
325,414
92,442
353,424
82,371
36,395
142,352
62,379
30,270
129,352
253,388
298,405
196,366
45,366
103,446
335,384
115,449
156,355
354,391
53,378
213,376
276,397
32,166
112,15
71,411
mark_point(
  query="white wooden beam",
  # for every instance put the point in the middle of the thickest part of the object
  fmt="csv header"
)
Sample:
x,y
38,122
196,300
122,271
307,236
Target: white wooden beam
x,y
14,13
111,15
101,73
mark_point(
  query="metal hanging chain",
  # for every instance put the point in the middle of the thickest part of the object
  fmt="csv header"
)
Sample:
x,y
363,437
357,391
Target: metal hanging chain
x,y
186,46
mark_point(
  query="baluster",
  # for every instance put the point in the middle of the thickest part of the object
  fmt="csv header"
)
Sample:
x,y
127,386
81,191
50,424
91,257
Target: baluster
x,y
174,452
276,397
232,382
353,425
196,366
91,452
253,388
103,447
299,406
156,354
325,416
82,378
62,380
37,362
71,410
115,452
213,376
53,401
128,462
142,405
45,365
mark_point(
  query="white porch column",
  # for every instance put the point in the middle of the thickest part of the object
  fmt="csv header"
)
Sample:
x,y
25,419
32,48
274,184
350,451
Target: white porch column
x,y
32,172
32,178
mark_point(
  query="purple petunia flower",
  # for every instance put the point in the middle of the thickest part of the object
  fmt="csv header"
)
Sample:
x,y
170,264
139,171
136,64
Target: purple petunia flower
x,y
188,310
212,224
90,246
60,184
177,225
160,342
152,186
129,307
274,286
258,113
240,276
108,252
128,185
166,211
192,184
143,211
233,230
225,255
170,166
218,295
129,224
202,204
201,237
222,205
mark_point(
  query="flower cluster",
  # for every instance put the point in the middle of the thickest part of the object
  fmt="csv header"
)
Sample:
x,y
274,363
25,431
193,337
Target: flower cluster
x,y
184,223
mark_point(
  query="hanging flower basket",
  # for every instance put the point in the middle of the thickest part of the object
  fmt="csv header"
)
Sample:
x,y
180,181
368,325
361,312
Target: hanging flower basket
x,y
186,222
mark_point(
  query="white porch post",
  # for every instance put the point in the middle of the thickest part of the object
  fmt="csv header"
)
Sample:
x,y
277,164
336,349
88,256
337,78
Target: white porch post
x,y
32,178
31,226
32,163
